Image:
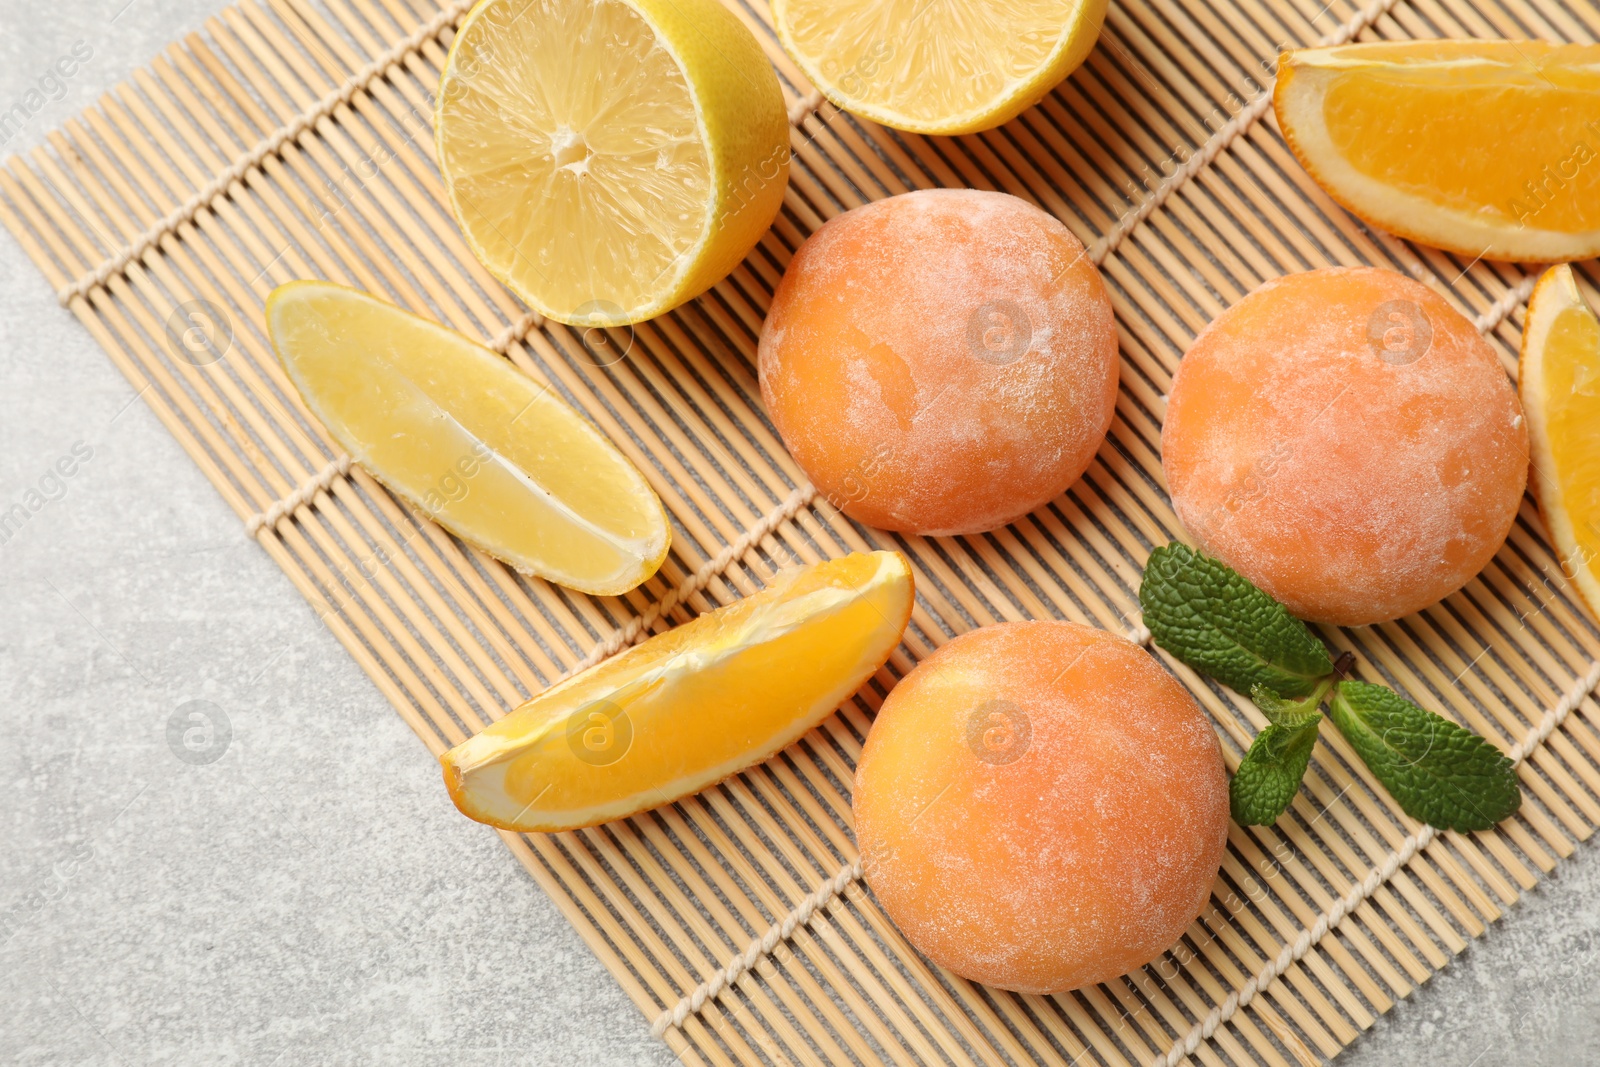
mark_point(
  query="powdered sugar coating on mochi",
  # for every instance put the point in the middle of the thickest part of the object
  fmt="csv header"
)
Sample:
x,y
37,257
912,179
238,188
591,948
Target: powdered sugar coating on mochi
x,y
1348,441
891,365
1085,855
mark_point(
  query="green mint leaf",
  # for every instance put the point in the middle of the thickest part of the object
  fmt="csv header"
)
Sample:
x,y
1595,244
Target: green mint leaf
x,y
1441,773
1214,620
1289,713
1269,775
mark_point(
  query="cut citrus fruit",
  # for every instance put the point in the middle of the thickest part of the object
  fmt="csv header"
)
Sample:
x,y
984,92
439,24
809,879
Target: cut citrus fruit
x,y
609,159
1486,148
690,706
485,451
941,68
1559,377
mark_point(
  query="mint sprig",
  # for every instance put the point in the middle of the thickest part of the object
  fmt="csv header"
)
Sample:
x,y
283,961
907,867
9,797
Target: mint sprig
x,y
1290,713
1441,774
1212,618
1269,775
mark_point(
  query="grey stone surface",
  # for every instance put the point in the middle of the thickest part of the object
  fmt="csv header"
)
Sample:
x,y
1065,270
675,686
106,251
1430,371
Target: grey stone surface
x,y
1527,993
311,897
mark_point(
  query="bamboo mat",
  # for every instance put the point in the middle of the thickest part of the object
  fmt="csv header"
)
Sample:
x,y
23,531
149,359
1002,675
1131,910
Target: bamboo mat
x,y
289,140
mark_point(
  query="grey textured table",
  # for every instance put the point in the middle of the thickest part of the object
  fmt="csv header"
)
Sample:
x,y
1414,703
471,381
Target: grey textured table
x,y
311,897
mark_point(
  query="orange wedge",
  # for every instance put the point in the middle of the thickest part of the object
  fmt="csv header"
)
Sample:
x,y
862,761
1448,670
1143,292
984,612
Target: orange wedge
x,y
1559,378
485,451
1485,148
688,707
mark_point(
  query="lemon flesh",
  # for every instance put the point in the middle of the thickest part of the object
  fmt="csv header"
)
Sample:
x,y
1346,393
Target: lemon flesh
x,y
938,66
1559,379
610,159
688,707
482,449
1484,148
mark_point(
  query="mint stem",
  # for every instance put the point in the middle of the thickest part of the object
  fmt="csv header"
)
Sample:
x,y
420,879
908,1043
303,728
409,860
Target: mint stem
x,y
1344,666
1290,713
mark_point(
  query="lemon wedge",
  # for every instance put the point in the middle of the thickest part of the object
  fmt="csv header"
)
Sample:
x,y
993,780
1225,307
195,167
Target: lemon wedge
x,y
938,66
491,455
610,159
1559,379
1484,148
688,707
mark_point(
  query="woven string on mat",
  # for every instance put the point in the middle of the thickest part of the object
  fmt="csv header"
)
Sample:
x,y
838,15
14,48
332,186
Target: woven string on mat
x,y
1330,919
268,146
818,901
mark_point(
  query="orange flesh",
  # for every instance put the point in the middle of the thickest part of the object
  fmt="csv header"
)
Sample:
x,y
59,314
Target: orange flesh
x,y
690,706
1559,383
1571,425
1545,118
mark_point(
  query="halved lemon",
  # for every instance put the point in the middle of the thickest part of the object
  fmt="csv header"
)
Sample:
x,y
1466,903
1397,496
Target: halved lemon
x,y
485,451
609,159
1485,148
1559,379
938,66
688,707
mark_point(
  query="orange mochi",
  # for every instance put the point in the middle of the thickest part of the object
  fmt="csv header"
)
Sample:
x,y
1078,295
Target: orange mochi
x,y
1347,441
942,361
1041,807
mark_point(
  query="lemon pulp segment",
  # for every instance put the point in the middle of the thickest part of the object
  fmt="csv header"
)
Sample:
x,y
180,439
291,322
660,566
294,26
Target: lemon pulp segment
x,y
608,159
484,450
938,66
